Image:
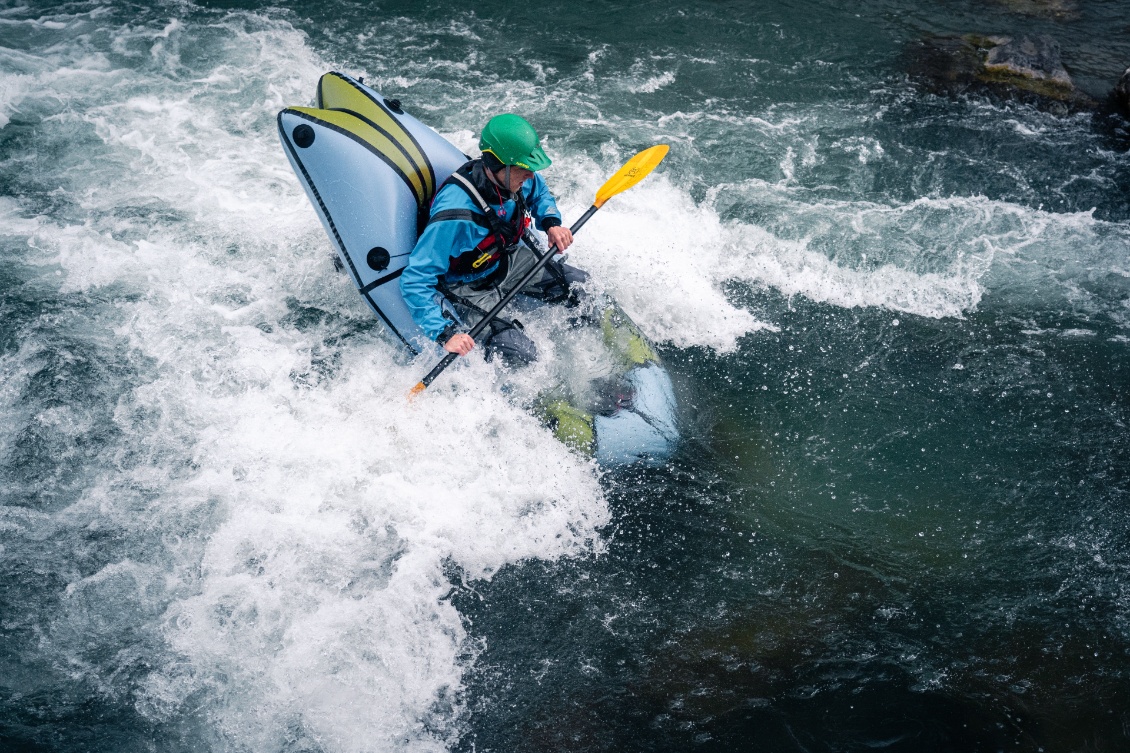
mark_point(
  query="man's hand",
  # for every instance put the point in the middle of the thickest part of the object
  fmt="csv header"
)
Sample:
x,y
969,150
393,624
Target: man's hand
x,y
560,236
460,344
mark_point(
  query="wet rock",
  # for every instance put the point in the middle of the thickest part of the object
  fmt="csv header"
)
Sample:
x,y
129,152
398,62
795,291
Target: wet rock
x,y
1122,94
1028,63
1025,68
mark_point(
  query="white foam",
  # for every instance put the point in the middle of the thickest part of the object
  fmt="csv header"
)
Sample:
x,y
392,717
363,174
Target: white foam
x,y
305,512
659,255
322,507
320,591
668,258
653,83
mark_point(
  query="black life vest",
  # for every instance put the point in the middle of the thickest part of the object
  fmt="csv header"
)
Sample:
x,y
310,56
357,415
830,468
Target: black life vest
x,y
503,237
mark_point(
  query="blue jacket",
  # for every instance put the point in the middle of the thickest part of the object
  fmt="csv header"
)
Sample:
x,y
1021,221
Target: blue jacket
x,y
443,241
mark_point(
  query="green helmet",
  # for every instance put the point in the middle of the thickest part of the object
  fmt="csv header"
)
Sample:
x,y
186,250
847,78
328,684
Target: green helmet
x,y
513,141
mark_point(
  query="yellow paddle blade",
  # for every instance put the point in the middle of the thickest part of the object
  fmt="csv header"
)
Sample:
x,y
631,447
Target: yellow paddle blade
x,y
420,387
635,170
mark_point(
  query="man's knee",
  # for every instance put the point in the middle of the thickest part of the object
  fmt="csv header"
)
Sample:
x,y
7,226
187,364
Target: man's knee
x,y
510,344
573,275
556,284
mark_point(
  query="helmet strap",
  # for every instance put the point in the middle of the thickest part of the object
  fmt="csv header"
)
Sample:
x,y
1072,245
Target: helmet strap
x,y
501,182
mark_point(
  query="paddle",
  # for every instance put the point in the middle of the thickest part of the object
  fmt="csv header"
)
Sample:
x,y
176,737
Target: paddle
x,y
633,171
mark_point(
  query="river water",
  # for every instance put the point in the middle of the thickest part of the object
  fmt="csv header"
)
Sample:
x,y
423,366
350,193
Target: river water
x,y
898,323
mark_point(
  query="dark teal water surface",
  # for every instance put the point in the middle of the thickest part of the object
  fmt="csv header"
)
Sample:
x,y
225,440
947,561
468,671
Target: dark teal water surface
x,y
898,322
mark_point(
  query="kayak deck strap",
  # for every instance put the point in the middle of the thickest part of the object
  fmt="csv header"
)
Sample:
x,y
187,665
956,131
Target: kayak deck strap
x,y
381,281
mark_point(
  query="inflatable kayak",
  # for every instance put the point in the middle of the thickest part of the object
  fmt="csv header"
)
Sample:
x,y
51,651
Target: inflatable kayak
x,y
370,171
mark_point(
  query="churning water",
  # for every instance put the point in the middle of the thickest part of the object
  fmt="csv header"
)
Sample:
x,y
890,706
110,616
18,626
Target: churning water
x,y
899,326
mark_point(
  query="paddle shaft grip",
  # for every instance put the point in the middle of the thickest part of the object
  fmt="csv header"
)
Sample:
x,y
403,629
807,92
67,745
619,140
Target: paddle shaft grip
x,y
498,307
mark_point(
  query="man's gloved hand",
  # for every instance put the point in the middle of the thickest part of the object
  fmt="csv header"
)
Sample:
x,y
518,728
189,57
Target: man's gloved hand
x,y
560,236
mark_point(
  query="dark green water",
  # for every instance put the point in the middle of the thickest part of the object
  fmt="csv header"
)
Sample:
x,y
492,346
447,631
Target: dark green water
x,y
898,322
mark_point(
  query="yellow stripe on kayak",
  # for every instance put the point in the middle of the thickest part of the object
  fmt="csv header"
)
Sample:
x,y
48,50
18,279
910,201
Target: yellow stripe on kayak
x,y
339,93
621,334
375,139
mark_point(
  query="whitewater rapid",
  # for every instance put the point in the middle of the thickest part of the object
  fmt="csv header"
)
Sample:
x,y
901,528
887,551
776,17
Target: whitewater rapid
x,y
251,528
286,524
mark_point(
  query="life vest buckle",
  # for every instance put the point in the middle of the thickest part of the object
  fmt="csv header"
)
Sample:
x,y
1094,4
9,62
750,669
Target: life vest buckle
x,y
487,255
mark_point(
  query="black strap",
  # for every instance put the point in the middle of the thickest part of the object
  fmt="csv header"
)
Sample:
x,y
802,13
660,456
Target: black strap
x,y
488,219
462,214
381,281
449,295
446,293
461,178
465,183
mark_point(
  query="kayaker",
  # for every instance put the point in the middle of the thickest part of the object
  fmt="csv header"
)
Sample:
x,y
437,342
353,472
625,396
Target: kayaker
x,y
471,246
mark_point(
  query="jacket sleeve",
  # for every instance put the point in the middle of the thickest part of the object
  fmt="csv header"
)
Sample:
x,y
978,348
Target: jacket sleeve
x,y
542,205
431,259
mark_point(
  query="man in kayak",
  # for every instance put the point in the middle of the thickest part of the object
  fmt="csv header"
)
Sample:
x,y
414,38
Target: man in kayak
x,y
471,253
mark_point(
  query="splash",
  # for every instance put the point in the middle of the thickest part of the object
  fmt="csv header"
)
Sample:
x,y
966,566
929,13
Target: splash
x,y
204,443
288,526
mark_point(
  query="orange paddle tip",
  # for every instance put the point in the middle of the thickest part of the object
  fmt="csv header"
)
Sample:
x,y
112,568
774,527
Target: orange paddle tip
x,y
420,387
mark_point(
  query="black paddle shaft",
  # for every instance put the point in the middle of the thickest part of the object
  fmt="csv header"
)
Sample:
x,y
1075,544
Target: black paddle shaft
x,y
498,307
